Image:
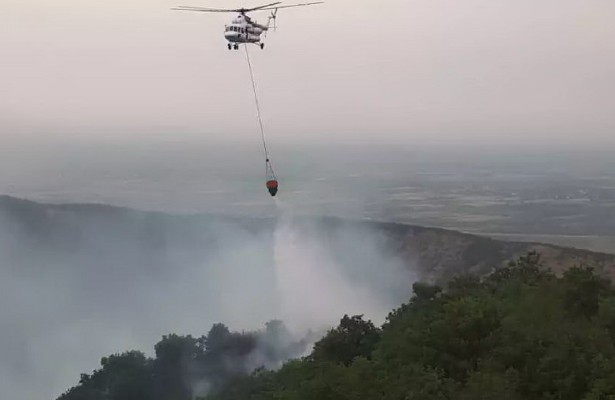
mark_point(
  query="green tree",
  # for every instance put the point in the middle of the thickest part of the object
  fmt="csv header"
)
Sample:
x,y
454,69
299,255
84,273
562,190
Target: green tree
x,y
173,367
354,337
125,376
584,289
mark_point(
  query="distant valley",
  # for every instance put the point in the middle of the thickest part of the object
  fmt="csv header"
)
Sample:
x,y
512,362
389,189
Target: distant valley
x,y
436,254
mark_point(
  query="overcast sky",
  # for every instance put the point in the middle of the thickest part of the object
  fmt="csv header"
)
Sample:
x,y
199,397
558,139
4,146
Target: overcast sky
x,y
413,71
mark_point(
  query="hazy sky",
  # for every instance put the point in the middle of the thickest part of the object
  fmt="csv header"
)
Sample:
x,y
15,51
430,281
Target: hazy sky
x,y
371,71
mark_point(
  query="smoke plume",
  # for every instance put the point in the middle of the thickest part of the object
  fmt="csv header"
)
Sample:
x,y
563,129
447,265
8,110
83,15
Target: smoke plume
x,y
81,282
314,285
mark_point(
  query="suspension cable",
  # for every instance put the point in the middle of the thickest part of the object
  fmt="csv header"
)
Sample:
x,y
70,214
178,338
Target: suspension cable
x,y
258,109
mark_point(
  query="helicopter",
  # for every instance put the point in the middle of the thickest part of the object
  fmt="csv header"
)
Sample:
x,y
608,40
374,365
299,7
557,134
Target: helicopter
x,y
244,29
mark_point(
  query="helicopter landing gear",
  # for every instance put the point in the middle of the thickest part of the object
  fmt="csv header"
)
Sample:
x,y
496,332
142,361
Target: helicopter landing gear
x,y
236,46
229,46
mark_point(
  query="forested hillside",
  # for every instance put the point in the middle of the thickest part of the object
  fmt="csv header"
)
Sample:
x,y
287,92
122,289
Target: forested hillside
x,y
185,366
519,333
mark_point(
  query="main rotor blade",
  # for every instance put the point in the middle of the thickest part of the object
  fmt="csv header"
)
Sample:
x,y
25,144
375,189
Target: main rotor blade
x,y
292,5
201,9
272,6
260,7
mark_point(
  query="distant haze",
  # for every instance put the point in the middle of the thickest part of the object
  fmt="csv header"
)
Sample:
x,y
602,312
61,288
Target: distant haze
x,y
437,71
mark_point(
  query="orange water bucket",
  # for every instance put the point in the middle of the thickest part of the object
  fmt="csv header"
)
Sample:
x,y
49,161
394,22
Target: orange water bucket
x,y
272,187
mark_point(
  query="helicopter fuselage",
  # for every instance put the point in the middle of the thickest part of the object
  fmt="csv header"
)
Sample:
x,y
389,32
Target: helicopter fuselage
x,y
243,29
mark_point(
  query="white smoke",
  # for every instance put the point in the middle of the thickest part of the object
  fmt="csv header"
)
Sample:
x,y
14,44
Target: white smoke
x,y
82,283
315,289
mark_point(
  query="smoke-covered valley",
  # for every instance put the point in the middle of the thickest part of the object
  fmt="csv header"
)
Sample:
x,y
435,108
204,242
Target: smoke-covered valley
x,y
82,282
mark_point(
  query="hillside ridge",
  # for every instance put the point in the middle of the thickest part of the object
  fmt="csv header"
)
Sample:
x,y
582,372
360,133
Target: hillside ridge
x,y
437,253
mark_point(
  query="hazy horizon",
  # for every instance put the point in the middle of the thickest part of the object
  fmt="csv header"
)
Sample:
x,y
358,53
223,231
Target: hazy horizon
x,y
480,189
412,72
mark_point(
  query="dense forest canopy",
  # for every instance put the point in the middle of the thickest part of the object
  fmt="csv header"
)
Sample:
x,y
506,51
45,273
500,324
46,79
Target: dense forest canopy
x,y
519,333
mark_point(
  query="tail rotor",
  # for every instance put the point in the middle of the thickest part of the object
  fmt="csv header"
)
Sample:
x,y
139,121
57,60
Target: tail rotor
x,y
272,17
